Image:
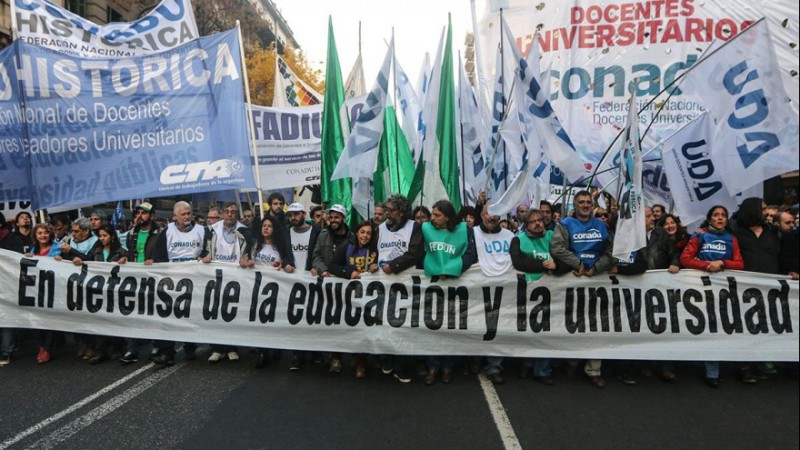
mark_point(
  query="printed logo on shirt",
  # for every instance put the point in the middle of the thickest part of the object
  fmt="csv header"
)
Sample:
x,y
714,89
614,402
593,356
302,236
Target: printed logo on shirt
x,y
591,235
402,245
187,244
496,247
717,246
226,258
299,248
442,247
541,256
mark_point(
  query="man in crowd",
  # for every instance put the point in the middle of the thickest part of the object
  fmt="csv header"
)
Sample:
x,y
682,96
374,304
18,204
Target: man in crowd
x,y
141,245
522,211
303,237
583,245
658,212
400,246
276,202
247,218
380,214
492,243
226,244
547,214
23,226
61,226
183,240
98,219
790,242
78,244
214,216
318,216
335,234
12,242
530,253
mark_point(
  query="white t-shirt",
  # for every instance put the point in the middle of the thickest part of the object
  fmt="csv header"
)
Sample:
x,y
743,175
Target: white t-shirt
x,y
267,256
227,246
493,251
184,246
300,243
393,244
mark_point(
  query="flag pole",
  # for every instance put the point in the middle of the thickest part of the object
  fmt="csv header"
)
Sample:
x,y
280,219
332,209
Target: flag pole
x,y
394,122
253,151
503,88
461,130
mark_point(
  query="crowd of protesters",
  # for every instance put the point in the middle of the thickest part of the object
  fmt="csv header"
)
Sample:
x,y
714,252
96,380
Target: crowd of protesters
x,y
440,240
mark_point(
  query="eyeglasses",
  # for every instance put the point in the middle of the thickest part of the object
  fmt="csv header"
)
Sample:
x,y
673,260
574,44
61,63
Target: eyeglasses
x,y
214,217
390,210
601,215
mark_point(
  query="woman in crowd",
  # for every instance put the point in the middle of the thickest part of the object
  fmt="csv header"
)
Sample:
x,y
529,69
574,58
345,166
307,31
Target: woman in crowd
x,y
469,215
44,237
713,250
421,214
666,243
350,261
107,249
269,248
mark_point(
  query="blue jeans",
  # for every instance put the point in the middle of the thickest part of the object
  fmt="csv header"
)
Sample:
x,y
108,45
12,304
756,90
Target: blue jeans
x,y
541,366
494,364
6,341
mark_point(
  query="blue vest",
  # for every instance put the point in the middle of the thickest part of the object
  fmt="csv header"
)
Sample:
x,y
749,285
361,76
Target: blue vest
x,y
587,240
714,247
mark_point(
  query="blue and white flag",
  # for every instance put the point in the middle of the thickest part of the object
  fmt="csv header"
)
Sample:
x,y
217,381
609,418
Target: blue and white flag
x,y
359,158
118,216
554,139
473,140
410,109
695,181
103,130
631,232
14,168
756,134
496,160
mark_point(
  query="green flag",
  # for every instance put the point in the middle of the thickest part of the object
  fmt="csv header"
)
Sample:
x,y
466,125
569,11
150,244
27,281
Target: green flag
x,y
336,191
446,125
395,163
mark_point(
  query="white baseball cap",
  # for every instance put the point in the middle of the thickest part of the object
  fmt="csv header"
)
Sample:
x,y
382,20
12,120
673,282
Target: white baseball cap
x,y
339,209
296,207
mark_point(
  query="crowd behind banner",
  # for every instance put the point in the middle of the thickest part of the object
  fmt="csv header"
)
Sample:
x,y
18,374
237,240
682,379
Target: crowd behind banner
x,y
411,282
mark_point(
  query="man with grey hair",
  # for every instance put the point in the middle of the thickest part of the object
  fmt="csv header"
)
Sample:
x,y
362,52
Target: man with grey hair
x,y
214,216
80,241
183,240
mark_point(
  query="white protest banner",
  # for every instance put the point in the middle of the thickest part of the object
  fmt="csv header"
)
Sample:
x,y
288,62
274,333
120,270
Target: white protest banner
x,y
289,141
170,24
104,130
695,181
596,49
736,316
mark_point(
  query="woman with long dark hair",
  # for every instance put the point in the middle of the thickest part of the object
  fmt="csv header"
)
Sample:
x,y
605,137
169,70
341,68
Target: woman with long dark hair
x,y
713,250
44,237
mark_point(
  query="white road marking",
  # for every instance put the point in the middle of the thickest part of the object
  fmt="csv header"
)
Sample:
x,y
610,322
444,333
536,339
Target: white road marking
x,y
67,431
507,435
22,435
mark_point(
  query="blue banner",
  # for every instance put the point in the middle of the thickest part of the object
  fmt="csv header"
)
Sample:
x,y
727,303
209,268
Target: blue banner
x,y
102,130
14,174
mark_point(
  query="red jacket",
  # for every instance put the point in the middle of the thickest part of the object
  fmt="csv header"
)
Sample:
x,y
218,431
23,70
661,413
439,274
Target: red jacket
x,y
689,257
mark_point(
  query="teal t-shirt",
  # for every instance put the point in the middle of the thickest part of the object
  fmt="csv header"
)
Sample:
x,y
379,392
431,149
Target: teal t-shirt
x,y
537,249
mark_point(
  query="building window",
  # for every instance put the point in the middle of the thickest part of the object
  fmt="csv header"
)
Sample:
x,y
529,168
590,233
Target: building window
x,y
76,6
112,15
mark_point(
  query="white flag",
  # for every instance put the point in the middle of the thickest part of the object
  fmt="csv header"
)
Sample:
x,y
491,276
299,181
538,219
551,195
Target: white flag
x,y
359,157
433,190
354,86
756,134
695,181
553,137
410,109
473,139
631,233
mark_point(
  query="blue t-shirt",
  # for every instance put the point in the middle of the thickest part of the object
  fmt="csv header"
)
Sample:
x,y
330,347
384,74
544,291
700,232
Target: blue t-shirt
x,y
714,247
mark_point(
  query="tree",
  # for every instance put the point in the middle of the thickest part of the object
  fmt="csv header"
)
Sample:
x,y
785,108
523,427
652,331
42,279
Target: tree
x,y
261,71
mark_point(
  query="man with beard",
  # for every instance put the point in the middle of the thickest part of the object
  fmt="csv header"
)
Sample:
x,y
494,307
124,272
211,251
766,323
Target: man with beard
x,y
583,245
275,202
789,234
492,243
80,242
335,234
400,246
183,240
530,253
141,243
380,214
318,216
302,237
547,215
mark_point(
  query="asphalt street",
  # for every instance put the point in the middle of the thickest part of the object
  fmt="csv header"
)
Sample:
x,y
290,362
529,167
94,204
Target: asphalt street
x,y
195,405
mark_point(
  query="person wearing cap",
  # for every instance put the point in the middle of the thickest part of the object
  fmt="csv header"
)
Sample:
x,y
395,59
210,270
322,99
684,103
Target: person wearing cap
x,y
302,235
12,242
141,243
98,219
335,234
